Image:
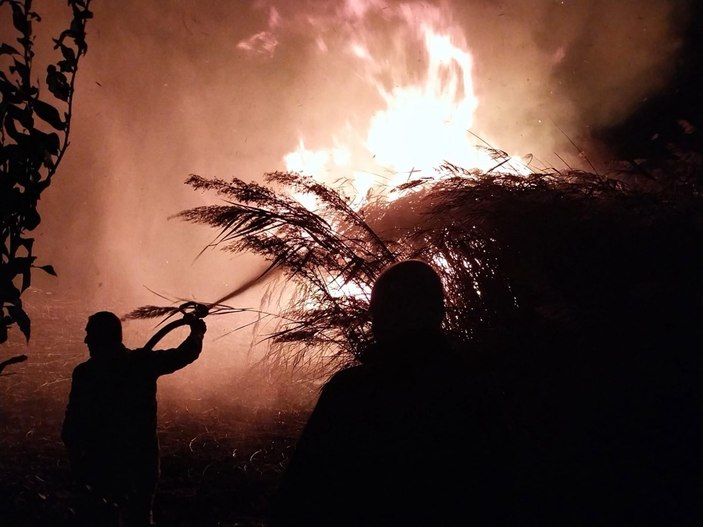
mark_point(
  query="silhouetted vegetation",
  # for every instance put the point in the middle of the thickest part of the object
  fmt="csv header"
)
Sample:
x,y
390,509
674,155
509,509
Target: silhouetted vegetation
x,y
562,247
33,140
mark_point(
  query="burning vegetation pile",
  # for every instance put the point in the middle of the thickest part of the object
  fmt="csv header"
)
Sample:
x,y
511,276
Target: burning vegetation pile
x,y
572,250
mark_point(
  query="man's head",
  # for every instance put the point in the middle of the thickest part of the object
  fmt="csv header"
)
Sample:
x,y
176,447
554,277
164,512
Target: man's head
x,y
103,333
407,299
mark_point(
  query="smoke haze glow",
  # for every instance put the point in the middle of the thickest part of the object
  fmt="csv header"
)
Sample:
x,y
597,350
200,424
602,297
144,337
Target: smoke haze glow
x,y
222,89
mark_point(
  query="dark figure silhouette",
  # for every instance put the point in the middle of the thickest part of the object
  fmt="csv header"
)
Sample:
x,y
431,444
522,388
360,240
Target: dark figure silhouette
x,y
388,441
110,425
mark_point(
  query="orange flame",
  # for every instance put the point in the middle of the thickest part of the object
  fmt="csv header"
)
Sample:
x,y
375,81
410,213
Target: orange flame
x,y
422,123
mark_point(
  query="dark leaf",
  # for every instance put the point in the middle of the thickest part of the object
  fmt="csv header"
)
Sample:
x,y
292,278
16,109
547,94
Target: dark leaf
x,y
32,219
7,49
42,185
27,243
19,137
48,269
26,42
19,265
19,67
12,360
57,83
49,114
26,279
21,318
22,115
18,18
68,53
8,90
16,157
49,143
8,292
77,27
66,66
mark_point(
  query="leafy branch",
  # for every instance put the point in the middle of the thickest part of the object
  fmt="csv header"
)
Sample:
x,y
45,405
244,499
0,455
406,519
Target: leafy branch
x,y
34,137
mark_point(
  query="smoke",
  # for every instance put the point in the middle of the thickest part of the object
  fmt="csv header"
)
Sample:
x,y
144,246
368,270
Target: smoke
x,y
224,89
549,73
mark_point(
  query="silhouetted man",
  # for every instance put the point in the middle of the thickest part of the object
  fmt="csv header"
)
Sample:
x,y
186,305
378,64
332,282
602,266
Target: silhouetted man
x,y
388,441
110,425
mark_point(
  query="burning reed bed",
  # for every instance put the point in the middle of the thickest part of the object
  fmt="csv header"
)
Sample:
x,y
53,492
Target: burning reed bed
x,y
570,249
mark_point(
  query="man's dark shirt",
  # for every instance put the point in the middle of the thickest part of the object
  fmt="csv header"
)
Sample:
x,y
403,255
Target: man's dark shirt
x,y
389,442
110,424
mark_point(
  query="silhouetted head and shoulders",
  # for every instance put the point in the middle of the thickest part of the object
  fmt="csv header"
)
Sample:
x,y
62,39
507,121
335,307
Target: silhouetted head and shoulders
x,y
407,302
384,443
407,310
108,357
104,340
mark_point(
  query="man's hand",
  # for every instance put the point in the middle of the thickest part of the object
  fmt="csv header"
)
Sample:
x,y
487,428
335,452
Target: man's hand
x,y
197,327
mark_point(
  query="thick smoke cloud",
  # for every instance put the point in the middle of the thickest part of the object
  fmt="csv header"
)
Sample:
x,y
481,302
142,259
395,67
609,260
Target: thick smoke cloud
x,y
223,89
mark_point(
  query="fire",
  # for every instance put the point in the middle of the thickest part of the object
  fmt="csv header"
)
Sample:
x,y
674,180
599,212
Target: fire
x,y
419,76
422,123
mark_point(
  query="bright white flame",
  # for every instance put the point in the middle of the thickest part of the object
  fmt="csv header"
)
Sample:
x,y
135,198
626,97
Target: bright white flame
x,y
350,289
422,124
315,163
426,124
307,161
337,289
